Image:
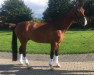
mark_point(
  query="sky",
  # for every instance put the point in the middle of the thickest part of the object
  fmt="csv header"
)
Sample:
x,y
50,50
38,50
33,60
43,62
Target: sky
x,y
37,6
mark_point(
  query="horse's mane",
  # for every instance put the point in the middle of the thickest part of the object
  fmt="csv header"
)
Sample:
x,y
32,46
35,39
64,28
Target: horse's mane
x,y
59,16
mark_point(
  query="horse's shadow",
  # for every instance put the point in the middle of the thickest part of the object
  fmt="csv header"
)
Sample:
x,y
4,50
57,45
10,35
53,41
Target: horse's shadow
x,y
19,70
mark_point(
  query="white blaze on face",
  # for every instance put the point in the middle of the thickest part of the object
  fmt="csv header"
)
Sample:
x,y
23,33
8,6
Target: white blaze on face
x,y
85,21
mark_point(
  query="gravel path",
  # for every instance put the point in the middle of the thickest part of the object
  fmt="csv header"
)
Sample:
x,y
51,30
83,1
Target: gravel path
x,y
75,64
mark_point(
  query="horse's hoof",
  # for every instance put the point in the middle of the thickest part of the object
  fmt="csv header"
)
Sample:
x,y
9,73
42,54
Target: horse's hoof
x,y
21,63
28,68
58,66
52,69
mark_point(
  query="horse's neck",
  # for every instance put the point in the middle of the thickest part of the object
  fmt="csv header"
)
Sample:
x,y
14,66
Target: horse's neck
x,y
65,21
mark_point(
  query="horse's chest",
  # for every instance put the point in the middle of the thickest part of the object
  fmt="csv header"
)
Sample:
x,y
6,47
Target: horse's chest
x,y
59,36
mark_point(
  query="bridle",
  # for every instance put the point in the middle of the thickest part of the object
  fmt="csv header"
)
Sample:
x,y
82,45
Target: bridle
x,y
78,18
79,21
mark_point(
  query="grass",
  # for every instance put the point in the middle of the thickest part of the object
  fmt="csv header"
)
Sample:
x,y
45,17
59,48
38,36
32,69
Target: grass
x,y
75,42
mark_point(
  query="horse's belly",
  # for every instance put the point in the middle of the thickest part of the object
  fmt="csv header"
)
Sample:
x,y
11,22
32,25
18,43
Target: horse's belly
x,y
40,39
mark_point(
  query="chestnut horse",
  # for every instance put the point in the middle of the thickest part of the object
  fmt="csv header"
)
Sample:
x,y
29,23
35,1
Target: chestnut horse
x,y
52,32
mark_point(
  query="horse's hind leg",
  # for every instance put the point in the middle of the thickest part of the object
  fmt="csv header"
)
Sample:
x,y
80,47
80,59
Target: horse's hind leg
x,y
23,46
20,55
51,57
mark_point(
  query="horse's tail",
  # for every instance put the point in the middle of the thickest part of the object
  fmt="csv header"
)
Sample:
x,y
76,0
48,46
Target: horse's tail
x,y
14,46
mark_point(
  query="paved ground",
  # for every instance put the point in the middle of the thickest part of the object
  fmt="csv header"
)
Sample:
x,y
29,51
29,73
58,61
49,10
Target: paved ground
x,y
76,64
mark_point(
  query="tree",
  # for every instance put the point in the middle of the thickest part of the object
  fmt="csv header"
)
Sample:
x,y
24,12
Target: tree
x,y
35,19
56,8
89,9
15,11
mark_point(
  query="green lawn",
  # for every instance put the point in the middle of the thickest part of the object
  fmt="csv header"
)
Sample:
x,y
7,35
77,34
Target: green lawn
x,y
73,43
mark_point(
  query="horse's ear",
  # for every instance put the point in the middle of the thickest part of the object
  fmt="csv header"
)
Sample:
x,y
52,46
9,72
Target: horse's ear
x,y
82,4
79,4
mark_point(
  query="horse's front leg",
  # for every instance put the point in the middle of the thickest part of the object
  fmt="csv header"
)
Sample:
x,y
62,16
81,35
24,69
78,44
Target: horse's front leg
x,y
51,59
56,59
54,48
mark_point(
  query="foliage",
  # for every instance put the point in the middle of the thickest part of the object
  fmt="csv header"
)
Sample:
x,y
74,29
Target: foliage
x,y
56,8
15,11
89,7
38,20
59,7
89,10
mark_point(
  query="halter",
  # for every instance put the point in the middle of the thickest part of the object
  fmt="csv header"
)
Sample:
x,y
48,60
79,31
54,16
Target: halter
x,y
80,29
75,12
78,17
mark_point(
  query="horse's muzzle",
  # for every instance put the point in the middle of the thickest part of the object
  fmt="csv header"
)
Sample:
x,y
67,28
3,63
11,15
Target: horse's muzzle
x,y
85,21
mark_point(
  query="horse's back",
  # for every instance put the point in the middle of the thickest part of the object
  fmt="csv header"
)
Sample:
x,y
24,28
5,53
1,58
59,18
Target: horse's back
x,y
28,24
29,30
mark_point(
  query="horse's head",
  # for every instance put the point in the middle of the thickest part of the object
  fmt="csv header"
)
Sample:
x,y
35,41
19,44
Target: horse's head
x,y
79,13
